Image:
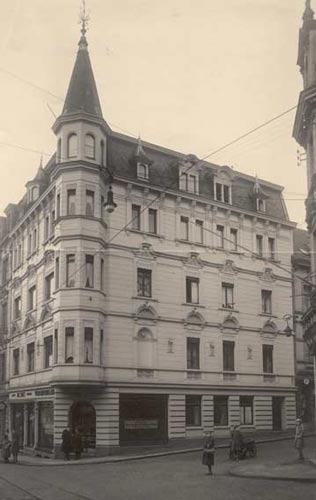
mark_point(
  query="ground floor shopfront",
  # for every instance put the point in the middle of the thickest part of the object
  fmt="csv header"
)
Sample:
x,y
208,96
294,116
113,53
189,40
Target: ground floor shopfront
x,y
112,417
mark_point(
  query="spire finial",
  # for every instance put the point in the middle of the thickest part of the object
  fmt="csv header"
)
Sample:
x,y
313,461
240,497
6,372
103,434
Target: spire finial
x,y
308,13
83,18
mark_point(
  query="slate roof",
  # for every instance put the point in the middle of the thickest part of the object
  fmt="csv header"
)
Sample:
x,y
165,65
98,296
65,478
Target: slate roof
x,y
301,246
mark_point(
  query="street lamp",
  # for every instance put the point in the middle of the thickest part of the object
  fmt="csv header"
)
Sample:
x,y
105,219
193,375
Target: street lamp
x,y
288,330
110,204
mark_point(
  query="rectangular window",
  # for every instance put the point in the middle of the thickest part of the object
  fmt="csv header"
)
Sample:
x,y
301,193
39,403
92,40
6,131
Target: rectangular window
x,y
193,411
4,317
89,202
152,220
199,232
17,308
192,290
184,228
32,298
58,205
143,282
193,353
226,193
271,246
34,240
88,345
46,227
16,361
69,344
246,410
267,358
71,201
48,351
184,181
259,245
261,205
221,411
30,357
136,217
57,273
220,236
56,346
29,244
48,286
228,295
192,187
5,270
234,239
89,282
101,347
102,274
228,356
218,191
266,299
70,270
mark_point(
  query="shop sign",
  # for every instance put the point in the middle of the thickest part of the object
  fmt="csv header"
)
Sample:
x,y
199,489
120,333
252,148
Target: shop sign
x,y
139,424
38,393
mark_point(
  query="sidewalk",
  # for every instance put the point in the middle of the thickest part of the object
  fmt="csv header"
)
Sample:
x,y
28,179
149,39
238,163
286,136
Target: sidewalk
x,y
303,472
143,452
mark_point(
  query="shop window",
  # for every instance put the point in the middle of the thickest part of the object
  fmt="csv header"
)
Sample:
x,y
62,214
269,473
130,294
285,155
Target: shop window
x,y
72,146
184,228
266,301
192,290
69,344
48,351
45,425
32,298
234,239
89,146
70,270
30,421
89,281
221,411
193,353
16,361
152,221
30,357
17,308
88,345
267,358
220,236
228,295
136,217
246,410
228,356
71,201
144,282
48,286
271,247
199,231
193,411
89,202
259,245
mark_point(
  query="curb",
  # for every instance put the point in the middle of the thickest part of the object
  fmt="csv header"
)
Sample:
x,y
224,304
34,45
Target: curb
x,y
274,478
118,459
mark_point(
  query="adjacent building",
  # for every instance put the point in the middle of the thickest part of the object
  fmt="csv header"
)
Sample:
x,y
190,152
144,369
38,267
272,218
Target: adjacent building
x,y
153,322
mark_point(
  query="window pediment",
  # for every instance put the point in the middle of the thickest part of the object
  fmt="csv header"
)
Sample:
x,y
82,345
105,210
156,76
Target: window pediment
x,y
231,324
194,320
146,312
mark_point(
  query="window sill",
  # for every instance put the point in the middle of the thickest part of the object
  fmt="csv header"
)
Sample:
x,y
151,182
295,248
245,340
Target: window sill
x,y
228,309
146,233
192,304
267,315
141,297
193,427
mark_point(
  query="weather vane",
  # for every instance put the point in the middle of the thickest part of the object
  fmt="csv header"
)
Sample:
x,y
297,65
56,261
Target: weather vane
x,y
83,18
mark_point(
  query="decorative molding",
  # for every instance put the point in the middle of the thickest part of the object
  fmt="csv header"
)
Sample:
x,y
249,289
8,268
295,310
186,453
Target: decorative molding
x,y
49,256
146,312
229,267
268,275
194,260
230,324
145,251
194,320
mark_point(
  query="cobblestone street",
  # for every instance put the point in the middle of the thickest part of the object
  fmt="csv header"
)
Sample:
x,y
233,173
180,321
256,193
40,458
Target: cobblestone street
x,y
176,477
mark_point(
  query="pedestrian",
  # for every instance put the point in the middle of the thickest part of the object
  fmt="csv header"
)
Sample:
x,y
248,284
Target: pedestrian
x,y
299,438
236,443
208,451
66,443
77,443
15,446
6,448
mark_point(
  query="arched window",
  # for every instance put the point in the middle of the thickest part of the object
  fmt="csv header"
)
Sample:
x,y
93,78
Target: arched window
x,y
142,171
89,146
72,146
58,157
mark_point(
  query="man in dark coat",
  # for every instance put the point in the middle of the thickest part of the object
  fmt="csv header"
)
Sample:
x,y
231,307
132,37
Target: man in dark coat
x,y
208,452
77,443
66,442
236,443
15,446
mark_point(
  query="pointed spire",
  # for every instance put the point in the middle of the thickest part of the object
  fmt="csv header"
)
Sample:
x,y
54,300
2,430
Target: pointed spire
x,y
140,154
308,13
82,95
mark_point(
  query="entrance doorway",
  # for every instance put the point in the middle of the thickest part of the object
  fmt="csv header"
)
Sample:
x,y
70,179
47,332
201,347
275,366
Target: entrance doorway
x,y
82,416
277,412
143,419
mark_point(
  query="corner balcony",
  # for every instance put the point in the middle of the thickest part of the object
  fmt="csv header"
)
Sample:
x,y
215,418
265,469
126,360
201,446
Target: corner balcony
x,y
74,375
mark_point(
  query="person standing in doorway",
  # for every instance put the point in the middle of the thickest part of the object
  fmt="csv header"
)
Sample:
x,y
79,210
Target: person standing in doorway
x,y
66,443
208,451
77,443
15,446
299,438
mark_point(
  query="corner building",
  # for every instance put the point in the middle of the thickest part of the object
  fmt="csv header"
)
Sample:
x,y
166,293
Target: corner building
x,y
154,322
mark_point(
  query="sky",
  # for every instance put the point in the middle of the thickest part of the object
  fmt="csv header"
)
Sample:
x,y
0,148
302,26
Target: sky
x,y
190,75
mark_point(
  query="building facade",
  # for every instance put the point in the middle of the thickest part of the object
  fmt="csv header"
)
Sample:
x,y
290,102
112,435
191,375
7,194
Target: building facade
x,y
305,134
151,323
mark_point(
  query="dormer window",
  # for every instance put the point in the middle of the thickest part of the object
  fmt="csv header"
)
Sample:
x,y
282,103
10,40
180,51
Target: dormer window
x,y
142,171
188,182
89,146
72,146
261,205
222,192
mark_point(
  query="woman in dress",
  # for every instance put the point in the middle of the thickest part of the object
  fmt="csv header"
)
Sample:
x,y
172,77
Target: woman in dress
x,y
208,452
299,438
